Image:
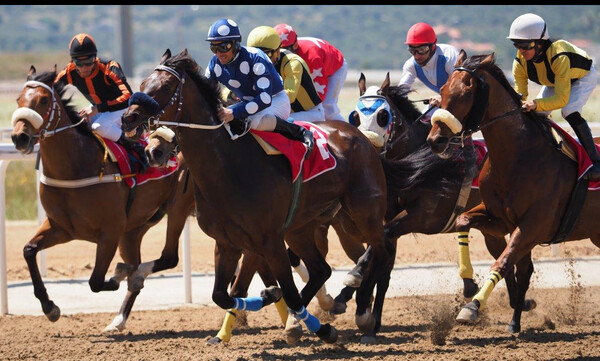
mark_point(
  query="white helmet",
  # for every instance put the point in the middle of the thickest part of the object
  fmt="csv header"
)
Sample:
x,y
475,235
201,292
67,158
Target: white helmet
x,y
528,27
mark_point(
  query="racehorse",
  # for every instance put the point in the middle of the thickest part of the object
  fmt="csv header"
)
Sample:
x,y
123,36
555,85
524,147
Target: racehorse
x,y
243,195
85,196
529,188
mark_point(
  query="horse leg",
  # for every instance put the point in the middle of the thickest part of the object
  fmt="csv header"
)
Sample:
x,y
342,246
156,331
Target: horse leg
x,y
106,248
519,246
351,242
523,277
45,237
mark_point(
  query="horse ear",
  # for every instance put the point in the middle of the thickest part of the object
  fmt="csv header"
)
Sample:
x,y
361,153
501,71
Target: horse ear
x,y
462,55
55,68
185,51
386,83
361,84
489,59
31,73
166,55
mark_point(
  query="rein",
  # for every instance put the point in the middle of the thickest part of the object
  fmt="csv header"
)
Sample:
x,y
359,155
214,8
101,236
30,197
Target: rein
x,y
177,97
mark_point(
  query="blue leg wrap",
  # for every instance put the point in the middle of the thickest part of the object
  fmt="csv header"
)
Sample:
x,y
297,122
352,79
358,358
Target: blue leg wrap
x,y
248,303
312,323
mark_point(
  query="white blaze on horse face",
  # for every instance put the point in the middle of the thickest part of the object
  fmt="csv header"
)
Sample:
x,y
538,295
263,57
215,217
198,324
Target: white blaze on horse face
x,y
369,105
445,117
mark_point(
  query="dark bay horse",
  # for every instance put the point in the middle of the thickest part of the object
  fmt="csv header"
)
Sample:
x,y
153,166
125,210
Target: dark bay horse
x,y
85,197
527,183
243,195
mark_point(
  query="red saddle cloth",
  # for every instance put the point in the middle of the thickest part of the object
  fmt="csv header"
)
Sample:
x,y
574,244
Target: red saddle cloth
x,y
318,162
583,159
151,173
480,151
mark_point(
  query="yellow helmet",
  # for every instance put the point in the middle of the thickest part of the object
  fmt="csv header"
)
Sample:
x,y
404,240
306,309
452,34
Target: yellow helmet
x,y
264,37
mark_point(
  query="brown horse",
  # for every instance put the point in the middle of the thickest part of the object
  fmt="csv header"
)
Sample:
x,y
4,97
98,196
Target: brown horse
x,y
525,186
85,197
243,195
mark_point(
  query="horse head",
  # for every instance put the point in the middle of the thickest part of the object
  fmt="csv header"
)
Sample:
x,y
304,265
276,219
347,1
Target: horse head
x,y
162,145
388,118
465,99
39,110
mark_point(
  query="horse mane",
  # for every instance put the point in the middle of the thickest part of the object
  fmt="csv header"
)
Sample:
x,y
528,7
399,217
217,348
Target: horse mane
x,y
399,96
422,170
208,89
475,62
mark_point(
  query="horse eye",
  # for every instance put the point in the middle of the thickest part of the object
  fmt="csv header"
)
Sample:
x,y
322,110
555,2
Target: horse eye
x,y
383,118
45,100
354,118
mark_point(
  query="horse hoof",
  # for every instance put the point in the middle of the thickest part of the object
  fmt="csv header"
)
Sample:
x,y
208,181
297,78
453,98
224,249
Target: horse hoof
x,y
54,314
270,295
326,303
327,333
353,280
117,325
368,339
293,330
513,328
365,322
338,308
468,314
470,288
529,305
214,341
135,283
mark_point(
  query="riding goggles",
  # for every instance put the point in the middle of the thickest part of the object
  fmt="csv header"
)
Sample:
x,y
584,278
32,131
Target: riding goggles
x,y
527,45
269,52
421,50
221,47
85,61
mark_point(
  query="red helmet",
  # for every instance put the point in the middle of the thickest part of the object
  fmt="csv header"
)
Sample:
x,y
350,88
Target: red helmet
x,y
420,33
287,34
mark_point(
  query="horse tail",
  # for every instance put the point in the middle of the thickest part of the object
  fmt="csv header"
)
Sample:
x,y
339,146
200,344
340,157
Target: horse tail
x,y
422,170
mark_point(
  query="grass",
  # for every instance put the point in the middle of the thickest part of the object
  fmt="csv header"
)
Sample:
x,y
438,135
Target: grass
x,y
20,185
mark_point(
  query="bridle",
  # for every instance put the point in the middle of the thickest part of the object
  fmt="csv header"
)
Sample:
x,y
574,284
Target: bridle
x,y
478,110
176,98
48,118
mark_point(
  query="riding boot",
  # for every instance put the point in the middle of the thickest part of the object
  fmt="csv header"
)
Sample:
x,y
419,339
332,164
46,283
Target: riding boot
x,y
134,146
583,132
295,132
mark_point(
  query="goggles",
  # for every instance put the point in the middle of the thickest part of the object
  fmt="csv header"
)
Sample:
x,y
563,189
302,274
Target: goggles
x,y
527,45
421,50
85,61
221,47
269,52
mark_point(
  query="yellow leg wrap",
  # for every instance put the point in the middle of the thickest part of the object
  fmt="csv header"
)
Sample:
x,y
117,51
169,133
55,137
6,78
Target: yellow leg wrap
x,y
465,269
282,309
227,327
485,291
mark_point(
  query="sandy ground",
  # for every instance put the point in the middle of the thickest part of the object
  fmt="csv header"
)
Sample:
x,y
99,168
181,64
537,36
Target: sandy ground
x,y
564,326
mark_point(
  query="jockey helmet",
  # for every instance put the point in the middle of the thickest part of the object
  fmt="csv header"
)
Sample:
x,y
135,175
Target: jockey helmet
x,y
528,27
81,45
264,37
224,30
287,34
420,33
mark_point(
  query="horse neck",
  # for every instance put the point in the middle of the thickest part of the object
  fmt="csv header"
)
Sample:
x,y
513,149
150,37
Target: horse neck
x,y
508,135
68,154
413,138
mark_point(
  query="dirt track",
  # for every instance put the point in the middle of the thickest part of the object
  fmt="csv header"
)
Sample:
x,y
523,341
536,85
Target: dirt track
x,y
565,326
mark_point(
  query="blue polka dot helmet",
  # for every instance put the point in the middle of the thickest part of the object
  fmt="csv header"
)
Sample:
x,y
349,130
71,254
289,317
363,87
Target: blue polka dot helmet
x,y
224,30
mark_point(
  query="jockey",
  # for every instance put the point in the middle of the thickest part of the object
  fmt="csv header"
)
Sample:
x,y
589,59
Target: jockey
x,y
297,82
326,63
251,76
104,85
566,73
431,63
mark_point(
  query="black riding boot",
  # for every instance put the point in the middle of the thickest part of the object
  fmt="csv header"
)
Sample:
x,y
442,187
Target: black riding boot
x,y
135,146
583,132
295,132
